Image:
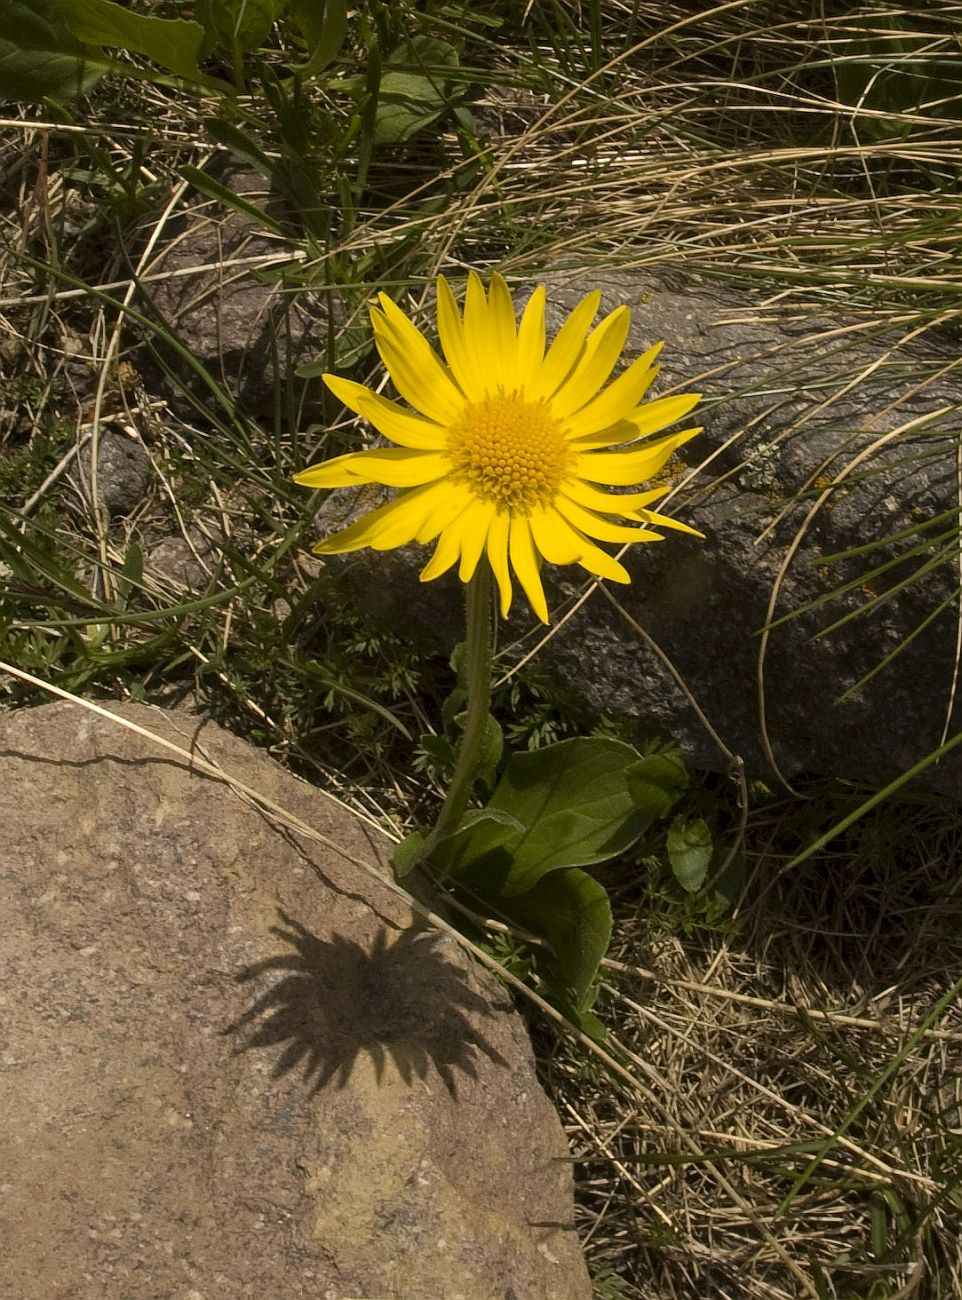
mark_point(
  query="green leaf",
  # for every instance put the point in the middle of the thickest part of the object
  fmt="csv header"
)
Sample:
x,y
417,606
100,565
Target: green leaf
x,y
366,118
217,190
689,851
133,572
410,101
573,802
437,751
323,24
570,910
492,744
453,707
40,56
657,782
410,851
458,662
238,25
491,819
174,43
240,144
407,854
492,747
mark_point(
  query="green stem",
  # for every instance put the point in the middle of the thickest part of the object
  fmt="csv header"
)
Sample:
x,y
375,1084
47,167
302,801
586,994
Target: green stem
x,y
478,654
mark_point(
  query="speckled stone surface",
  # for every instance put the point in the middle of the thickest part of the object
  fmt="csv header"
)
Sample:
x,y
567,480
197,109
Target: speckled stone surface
x,y
230,1065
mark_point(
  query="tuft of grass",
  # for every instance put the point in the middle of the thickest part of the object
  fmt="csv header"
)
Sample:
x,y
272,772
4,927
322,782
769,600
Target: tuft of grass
x,y
796,1123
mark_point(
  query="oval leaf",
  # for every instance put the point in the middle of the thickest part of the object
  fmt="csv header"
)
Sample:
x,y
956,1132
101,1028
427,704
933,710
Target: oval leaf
x,y
657,782
40,56
571,911
689,851
174,43
573,802
407,854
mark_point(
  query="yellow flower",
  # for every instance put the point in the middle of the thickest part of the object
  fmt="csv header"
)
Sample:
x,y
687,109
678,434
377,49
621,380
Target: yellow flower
x,y
503,452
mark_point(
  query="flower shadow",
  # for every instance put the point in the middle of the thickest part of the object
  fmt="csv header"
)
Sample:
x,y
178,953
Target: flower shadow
x,y
403,1003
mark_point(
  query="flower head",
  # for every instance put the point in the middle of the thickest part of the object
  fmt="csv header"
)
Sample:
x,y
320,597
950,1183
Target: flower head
x,y
508,446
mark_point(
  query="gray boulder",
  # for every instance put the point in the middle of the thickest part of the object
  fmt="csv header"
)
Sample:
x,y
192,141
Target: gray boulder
x,y
821,438
232,1064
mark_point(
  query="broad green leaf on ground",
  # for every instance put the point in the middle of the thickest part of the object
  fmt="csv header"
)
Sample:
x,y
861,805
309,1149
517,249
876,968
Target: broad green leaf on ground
x,y
657,782
174,43
408,853
488,821
570,910
323,24
41,57
574,805
238,25
689,851
409,101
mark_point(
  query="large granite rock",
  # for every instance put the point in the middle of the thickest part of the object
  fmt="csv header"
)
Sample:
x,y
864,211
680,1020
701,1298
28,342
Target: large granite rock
x,y
792,403
232,1065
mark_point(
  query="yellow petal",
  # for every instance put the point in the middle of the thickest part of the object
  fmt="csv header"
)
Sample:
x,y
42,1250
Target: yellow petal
x,y
463,362
665,521
401,426
399,466
622,503
390,525
457,535
333,473
524,561
622,468
497,549
503,331
445,554
649,418
554,537
531,339
451,500
347,391
418,374
618,399
405,523
657,415
598,562
602,529
477,335
602,349
405,337
474,533
560,543
565,349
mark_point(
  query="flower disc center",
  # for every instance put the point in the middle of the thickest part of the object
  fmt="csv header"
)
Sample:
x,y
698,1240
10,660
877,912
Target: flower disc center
x,y
510,451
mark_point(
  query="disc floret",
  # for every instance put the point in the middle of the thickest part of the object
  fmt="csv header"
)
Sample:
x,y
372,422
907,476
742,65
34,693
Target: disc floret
x,y
510,451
